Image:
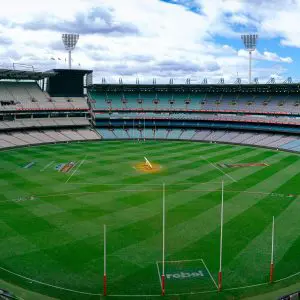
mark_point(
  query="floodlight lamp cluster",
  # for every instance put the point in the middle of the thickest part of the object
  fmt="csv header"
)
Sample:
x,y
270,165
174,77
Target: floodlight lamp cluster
x,y
70,40
250,41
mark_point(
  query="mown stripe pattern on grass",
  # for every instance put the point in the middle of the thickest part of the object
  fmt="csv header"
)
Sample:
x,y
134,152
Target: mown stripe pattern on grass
x,y
57,238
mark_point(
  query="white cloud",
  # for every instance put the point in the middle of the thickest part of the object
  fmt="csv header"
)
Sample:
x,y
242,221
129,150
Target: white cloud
x,y
138,38
266,55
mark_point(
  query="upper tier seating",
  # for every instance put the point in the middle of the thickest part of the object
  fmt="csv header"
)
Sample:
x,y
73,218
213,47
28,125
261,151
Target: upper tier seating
x,y
207,102
18,96
43,122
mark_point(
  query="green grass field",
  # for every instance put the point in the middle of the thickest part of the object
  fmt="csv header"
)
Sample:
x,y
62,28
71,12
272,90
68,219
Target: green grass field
x,y
51,225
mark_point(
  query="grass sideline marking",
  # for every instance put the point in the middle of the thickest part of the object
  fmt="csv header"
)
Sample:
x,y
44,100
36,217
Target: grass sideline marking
x,y
210,274
181,260
76,169
284,278
47,166
155,295
114,191
47,284
231,178
147,184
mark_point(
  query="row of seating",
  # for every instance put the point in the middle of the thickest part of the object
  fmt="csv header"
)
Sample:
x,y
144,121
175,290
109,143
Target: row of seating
x,y
205,102
20,96
202,116
26,138
43,122
278,141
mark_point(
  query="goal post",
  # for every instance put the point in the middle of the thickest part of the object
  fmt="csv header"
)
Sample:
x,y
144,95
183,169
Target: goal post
x,y
221,238
163,242
272,252
104,262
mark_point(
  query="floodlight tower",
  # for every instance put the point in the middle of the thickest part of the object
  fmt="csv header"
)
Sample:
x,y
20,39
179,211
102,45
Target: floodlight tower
x,y
70,40
250,45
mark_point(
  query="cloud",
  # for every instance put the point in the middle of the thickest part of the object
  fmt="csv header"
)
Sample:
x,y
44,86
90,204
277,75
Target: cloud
x,y
266,55
186,66
95,21
139,58
5,41
150,38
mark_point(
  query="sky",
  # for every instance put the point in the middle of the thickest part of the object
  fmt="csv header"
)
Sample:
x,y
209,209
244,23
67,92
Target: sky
x,y
160,39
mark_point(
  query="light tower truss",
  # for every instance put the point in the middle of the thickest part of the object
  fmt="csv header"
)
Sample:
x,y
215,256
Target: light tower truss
x,y
70,40
250,41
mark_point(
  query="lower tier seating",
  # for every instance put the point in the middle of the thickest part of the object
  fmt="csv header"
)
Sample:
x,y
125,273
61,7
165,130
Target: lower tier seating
x,y
270,140
27,138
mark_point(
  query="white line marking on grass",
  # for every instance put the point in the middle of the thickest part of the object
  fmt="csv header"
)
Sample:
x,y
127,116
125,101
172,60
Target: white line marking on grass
x,y
182,260
231,178
194,293
159,276
246,286
134,295
149,184
284,278
210,275
114,191
47,166
47,284
76,169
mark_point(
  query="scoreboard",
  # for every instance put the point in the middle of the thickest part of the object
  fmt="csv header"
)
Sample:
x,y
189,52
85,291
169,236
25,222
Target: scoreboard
x,y
68,83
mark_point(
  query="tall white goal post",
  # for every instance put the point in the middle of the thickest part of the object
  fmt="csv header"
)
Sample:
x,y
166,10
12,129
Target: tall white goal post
x,y
104,262
163,242
221,238
272,252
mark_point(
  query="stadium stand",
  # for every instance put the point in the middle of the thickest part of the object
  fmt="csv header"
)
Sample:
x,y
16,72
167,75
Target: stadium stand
x,y
29,96
29,115
265,115
259,115
212,102
269,140
29,138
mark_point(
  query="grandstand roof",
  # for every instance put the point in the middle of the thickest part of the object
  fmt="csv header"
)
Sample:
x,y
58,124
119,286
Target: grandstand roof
x,y
24,74
199,88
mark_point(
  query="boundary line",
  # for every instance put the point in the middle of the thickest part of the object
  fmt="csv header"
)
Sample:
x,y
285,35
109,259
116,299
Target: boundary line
x,y
182,260
290,276
154,295
230,177
246,286
148,184
47,166
47,284
114,191
210,274
76,169
159,276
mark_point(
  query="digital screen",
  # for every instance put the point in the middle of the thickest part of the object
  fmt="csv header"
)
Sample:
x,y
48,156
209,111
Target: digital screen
x,y
67,83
